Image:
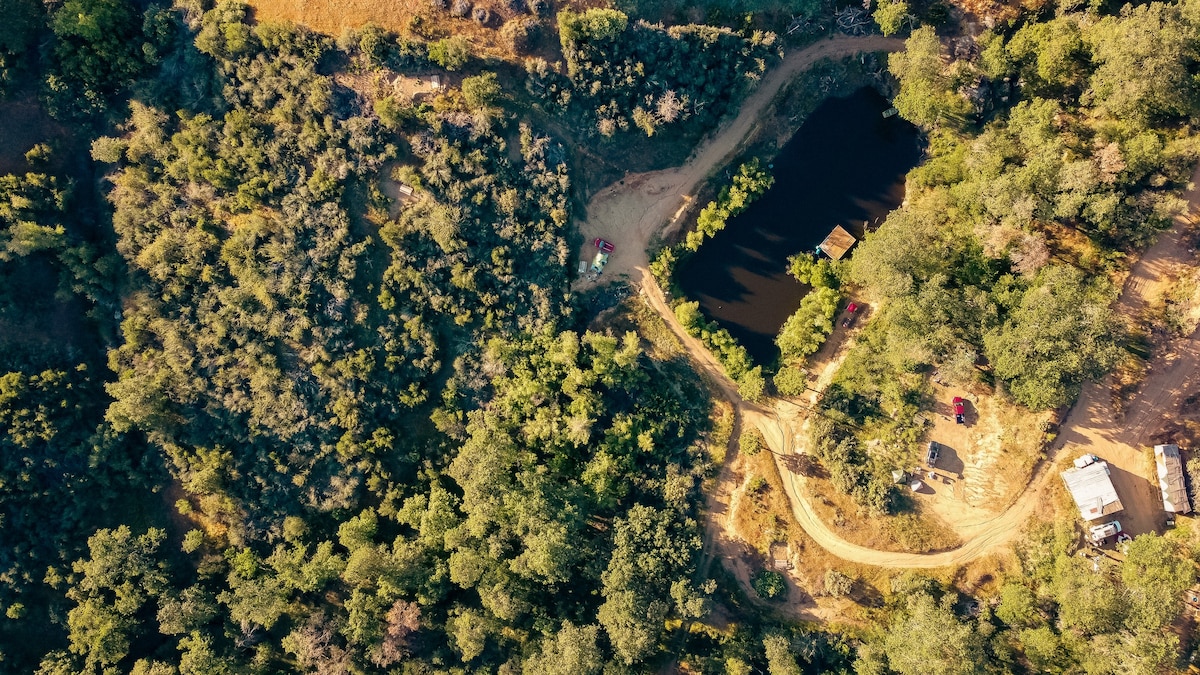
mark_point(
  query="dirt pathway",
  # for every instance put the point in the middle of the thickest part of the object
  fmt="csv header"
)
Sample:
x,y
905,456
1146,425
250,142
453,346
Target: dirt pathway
x,y
1091,426
631,212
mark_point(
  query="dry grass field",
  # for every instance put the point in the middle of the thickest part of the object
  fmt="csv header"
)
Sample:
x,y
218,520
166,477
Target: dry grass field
x,y
333,17
423,18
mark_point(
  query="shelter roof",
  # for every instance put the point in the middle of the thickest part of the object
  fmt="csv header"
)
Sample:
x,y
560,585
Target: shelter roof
x,y
1093,491
1170,479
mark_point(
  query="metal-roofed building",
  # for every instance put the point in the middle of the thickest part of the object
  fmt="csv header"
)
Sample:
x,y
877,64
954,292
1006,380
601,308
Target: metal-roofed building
x,y
1170,479
1093,491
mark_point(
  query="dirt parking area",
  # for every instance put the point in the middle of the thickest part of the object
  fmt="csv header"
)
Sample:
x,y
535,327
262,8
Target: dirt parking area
x,y
1162,409
985,462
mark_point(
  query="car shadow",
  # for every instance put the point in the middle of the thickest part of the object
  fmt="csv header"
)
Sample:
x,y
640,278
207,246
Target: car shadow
x,y
949,461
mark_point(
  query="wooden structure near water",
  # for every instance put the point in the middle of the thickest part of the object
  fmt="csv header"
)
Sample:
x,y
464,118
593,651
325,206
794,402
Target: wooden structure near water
x,y
837,243
1170,479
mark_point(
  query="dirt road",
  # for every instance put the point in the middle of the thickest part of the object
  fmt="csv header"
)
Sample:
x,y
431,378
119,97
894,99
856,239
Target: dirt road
x,y
631,212
1174,374
1092,426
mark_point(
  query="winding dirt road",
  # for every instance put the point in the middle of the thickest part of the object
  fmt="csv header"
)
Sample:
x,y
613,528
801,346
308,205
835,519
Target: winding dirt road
x,y
632,212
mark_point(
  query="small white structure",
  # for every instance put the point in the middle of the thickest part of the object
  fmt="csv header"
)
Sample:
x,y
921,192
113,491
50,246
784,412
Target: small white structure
x,y
1170,479
1101,532
435,82
1092,489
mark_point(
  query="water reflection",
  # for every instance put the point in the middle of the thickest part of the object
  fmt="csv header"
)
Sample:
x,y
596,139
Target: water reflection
x,y
845,166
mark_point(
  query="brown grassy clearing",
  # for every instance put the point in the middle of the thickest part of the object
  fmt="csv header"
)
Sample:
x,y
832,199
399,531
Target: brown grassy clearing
x,y
412,17
915,531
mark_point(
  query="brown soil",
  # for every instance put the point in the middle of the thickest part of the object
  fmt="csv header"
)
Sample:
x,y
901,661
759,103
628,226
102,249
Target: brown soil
x,y
634,211
1122,437
334,17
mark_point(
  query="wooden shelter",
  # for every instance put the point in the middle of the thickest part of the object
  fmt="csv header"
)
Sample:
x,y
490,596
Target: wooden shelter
x,y
837,243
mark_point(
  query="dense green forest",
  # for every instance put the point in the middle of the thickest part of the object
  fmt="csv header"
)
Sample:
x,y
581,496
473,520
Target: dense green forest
x,y
387,441
257,416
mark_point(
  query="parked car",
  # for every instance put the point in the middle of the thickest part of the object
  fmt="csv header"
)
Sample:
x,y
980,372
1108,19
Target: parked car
x,y
599,263
1099,533
960,410
1086,460
931,454
850,314
604,246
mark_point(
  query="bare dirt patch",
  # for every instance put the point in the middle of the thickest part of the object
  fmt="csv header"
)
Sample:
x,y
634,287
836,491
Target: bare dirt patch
x,y
985,462
754,531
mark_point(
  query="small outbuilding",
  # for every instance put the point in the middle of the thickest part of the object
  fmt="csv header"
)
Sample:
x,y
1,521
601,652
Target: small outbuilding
x,y
1170,479
1092,489
837,243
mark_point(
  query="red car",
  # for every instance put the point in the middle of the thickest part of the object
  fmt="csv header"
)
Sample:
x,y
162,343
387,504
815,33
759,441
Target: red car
x,y
960,410
604,246
849,315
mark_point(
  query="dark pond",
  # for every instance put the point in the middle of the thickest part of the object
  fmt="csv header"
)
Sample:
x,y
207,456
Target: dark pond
x,y
845,166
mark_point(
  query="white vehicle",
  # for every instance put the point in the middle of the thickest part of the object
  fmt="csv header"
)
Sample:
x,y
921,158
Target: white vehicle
x,y
1099,533
1086,460
931,454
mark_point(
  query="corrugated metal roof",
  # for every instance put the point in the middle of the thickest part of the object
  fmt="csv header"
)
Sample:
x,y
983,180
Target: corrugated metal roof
x,y
1092,490
1170,479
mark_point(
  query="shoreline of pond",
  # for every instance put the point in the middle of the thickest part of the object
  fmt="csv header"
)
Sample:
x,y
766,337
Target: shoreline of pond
x,y
829,172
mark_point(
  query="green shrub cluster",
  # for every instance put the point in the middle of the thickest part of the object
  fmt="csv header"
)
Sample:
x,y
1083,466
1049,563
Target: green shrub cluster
x,y
749,182
851,470
806,330
622,74
769,585
733,357
1059,612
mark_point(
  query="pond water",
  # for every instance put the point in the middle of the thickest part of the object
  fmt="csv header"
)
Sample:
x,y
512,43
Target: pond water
x,y
845,166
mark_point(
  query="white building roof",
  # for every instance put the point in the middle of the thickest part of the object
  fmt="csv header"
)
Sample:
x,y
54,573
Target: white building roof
x,y
1170,479
1092,490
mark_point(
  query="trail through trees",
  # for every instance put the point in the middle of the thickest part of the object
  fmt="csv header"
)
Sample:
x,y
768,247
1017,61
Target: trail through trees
x,y
636,210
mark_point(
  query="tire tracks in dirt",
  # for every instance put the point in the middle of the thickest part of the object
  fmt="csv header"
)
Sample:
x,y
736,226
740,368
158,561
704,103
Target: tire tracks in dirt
x,y
632,212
